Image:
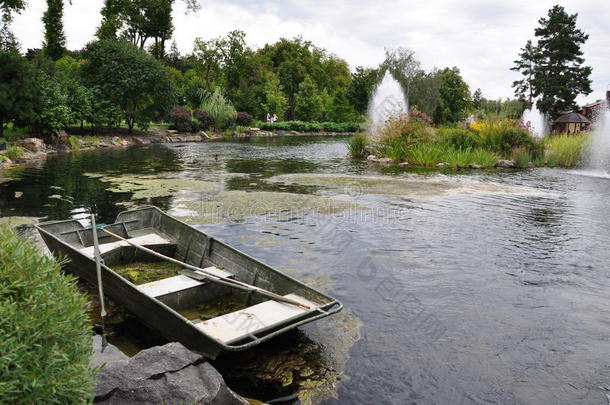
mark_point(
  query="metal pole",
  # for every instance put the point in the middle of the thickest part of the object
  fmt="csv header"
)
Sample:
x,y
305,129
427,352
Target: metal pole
x,y
98,270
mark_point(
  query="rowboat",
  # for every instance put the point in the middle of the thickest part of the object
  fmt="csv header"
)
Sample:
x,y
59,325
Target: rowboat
x,y
170,305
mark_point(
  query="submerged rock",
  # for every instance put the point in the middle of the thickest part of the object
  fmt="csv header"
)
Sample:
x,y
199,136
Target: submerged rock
x,y
163,375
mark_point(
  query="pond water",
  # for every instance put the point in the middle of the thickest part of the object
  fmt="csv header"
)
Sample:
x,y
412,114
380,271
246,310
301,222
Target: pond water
x,y
459,287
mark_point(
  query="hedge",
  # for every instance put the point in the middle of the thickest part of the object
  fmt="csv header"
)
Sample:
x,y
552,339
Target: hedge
x,y
45,337
302,126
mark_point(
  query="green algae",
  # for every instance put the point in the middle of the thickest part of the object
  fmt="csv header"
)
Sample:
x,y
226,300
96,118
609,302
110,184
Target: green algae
x,y
238,205
146,272
412,185
211,309
153,185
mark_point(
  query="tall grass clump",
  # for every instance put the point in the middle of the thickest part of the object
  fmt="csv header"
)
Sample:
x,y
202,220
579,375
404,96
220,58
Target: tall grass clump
x,y
14,152
566,150
426,154
357,146
45,338
219,108
502,137
74,143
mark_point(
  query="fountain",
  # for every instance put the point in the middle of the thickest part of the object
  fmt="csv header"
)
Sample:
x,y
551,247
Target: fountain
x,y
597,161
387,100
535,122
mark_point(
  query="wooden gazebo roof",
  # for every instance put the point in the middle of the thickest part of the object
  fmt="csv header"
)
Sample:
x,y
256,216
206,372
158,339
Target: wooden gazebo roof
x,y
572,117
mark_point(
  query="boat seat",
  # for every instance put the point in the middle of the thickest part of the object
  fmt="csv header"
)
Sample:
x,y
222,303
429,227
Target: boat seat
x,y
143,240
239,324
175,284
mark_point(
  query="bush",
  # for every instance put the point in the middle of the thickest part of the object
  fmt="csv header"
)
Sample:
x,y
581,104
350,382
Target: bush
x,y
456,137
14,152
357,146
302,126
502,137
74,142
205,121
45,339
401,130
415,113
565,150
219,108
243,119
181,119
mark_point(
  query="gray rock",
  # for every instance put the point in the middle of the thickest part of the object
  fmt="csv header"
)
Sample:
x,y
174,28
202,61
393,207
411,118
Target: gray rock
x,y
476,167
531,165
32,144
371,158
442,164
403,164
166,374
63,148
505,163
140,141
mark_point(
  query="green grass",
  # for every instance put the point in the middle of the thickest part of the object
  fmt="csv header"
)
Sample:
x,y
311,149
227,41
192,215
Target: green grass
x,y
74,143
14,152
425,154
45,337
566,150
357,145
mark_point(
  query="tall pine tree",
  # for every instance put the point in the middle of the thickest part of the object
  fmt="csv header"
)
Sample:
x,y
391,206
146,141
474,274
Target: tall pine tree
x,y
554,70
54,39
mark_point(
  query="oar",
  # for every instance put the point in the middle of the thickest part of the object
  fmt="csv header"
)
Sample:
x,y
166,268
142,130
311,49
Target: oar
x,y
213,277
98,270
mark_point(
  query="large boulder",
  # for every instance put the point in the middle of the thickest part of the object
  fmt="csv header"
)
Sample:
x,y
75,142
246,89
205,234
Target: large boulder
x,y
506,164
32,144
163,375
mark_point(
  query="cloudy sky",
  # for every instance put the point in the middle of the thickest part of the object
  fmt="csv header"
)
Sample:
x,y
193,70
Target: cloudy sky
x,y
481,37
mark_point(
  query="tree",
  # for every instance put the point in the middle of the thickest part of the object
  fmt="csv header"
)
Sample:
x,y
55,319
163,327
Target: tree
x,y
477,98
526,66
131,79
18,90
274,100
54,109
340,109
308,104
553,69
403,66
54,39
560,75
362,85
454,97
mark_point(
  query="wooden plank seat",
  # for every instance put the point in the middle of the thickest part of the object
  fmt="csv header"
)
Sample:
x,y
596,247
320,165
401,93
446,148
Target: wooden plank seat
x,y
142,240
175,284
239,324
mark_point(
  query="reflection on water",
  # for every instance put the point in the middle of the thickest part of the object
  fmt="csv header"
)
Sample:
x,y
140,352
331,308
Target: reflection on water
x,y
495,292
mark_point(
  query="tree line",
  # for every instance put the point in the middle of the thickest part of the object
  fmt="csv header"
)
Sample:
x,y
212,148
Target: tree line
x,y
132,74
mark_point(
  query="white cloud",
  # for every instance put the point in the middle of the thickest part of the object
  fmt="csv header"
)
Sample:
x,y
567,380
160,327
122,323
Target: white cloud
x,y
481,37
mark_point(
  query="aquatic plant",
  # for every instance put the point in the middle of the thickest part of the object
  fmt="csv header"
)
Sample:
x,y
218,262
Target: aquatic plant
x,y
74,143
357,145
457,137
566,150
45,339
426,154
219,108
14,152
502,136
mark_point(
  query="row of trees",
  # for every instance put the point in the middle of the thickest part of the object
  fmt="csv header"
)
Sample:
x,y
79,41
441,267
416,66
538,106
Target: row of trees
x,y
127,75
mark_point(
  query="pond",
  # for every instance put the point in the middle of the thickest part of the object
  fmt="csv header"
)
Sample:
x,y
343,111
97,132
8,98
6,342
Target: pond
x,y
459,287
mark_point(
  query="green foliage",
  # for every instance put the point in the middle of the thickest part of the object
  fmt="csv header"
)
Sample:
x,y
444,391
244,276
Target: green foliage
x,y
503,137
219,108
454,97
457,137
55,112
402,131
74,142
364,81
14,152
422,154
131,79
308,102
45,339
554,68
181,119
54,45
340,109
566,150
273,99
522,157
357,145
18,90
309,126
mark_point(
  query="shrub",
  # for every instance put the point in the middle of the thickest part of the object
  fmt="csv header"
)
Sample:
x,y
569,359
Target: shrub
x,y
400,130
14,152
181,119
302,126
415,113
74,143
426,154
565,150
243,119
45,339
205,120
456,137
502,137
219,108
357,146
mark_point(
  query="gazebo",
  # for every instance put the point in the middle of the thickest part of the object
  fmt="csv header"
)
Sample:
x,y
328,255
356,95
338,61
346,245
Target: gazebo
x,y
571,123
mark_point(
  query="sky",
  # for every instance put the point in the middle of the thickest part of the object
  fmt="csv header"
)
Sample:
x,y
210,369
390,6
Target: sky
x,y
482,38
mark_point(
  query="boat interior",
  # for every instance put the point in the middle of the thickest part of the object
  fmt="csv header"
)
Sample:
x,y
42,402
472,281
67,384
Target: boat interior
x,y
228,314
